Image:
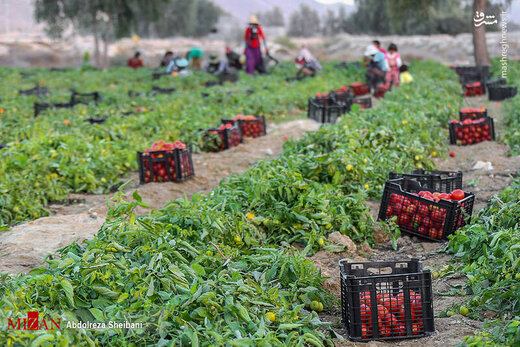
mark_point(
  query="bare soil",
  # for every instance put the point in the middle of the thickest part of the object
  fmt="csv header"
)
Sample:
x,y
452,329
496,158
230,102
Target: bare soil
x,y
24,246
485,184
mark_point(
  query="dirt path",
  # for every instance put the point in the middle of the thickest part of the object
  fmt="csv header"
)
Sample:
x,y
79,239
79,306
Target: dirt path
x,y
24,246
485,184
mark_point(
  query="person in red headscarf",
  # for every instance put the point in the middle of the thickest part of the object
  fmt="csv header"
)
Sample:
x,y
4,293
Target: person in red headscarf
x,y
135,62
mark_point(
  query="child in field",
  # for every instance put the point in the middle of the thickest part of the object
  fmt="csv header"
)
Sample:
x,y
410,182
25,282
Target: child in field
x,y
405,76
393,59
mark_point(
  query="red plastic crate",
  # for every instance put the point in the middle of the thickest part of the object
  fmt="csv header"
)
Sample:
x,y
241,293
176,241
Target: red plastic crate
x,y
473,89
359,88
466,133
165,166
472,113
249,128
420,216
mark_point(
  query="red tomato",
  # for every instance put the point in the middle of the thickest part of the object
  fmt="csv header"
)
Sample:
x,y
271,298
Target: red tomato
x,y
457,194
366,331
366,314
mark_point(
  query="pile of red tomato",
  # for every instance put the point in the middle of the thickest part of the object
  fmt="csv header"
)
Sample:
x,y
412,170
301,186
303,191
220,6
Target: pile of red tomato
x,y
359,88
165,151
472,131
226,133
419,217
390,314
250,126
473,89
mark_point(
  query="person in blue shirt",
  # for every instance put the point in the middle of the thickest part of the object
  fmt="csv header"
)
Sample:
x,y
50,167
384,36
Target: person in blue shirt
x,y
377,67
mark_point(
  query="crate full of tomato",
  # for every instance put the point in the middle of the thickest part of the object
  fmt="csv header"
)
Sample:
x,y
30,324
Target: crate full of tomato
x,y
381,91
165,162
386,300
359,88
470,131
441,181
249,126
342,96
473,89
425,212
364,103
221,138
472,113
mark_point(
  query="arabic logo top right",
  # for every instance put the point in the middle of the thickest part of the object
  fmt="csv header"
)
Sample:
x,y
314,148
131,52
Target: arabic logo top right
x,y
480,18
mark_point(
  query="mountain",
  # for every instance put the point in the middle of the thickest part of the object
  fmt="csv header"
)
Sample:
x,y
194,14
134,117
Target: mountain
x,y
241,9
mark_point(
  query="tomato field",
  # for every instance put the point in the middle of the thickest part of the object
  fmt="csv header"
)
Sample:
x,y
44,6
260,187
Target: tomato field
x,y
235,266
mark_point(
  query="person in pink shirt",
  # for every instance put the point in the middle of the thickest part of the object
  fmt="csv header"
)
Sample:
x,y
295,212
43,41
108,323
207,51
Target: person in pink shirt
x,y
378,46
393,58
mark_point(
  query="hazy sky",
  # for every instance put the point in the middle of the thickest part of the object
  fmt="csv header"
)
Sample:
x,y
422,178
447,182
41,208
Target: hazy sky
x,y
349,2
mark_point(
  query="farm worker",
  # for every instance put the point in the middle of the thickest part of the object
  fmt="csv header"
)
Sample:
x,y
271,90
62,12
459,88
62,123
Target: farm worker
x,y
135,62
233,59
220,67
194,56
377,67
378,46
168,56
178,65
393,59
252,38
308,65
405,76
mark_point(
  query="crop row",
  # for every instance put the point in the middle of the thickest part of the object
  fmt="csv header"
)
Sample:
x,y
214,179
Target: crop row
x,y
165,268
61,152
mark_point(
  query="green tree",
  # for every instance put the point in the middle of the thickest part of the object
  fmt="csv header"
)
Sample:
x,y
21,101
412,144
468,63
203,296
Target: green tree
x,y
331,23
305,22
103,19
273,17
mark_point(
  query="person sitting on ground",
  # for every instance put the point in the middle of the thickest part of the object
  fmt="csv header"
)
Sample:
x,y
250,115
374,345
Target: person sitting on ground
x,y
233,59
405,75
135,62
220,67
377,67
168,56
308,65
194,56
178,66
393,59
377,44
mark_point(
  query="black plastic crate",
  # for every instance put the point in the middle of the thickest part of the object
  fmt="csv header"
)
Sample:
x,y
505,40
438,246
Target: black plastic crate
x,y
365,103
433,220
134,94
496,82
325,112
97,120
42,106
439,181
468,70
173,165
84,98
157,75
359,88
160,90
342,96
249,128
389,300
482,129
472,113
473,89
38,91
220,139
500,93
